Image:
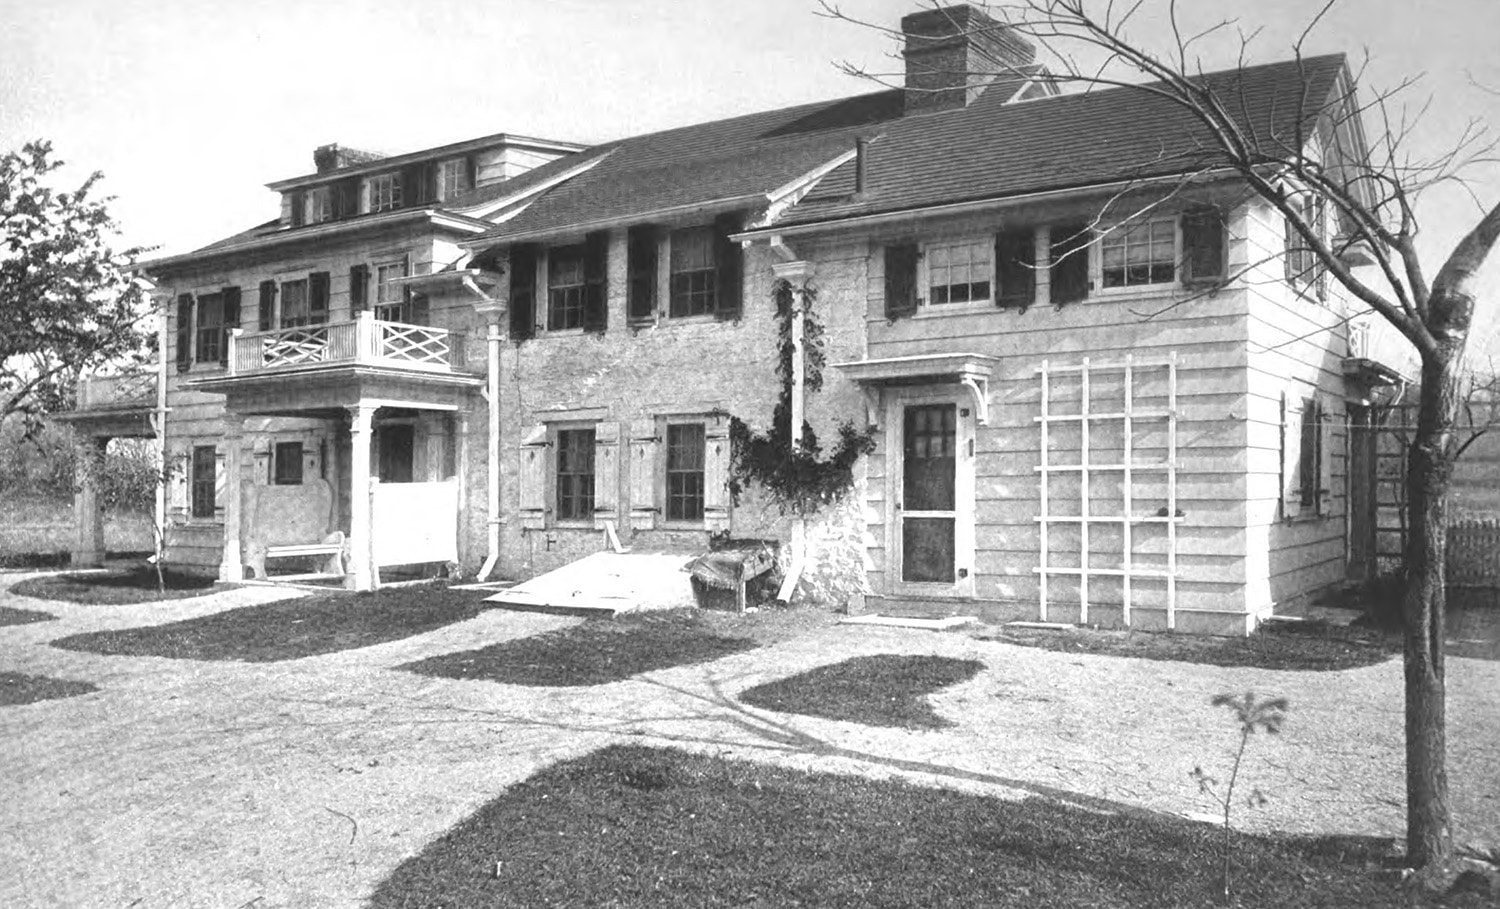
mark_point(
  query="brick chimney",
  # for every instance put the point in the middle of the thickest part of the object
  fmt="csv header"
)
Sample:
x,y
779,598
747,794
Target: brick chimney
x,y
953,52
332,157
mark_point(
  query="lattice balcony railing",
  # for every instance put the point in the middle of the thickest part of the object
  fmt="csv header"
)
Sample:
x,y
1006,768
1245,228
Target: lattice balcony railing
x,y
364,340
112,391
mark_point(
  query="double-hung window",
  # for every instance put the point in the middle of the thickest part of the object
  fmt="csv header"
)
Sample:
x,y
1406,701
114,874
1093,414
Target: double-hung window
x,y
693,277
1139,253
390,296
211,328
960,272
453,178
685,471
295,310
319,205
205,464
565,287
385,192
574,475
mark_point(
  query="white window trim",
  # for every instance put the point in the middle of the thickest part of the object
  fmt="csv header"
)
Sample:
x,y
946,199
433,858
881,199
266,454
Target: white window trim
x,y
398,262
1096,260
367,192
926,309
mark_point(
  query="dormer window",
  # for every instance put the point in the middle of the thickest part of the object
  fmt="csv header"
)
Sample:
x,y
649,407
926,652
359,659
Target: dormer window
x,y
319,205
385,192
453,178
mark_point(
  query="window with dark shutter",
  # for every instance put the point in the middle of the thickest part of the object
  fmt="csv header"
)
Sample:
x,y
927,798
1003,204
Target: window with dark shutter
x,y
1203,253
210,328
421,308
522,292
596,282
641,272
266,315
317,297
729,268
346,198
1069,267
901,280
231,320
205,466
359,288
694,280
1015,261
184,332
299,208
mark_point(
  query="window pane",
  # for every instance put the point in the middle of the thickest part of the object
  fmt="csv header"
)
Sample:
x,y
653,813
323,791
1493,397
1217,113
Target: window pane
x,y
1139,254
293,303
575,474
288,464
959,272
685,453
565,287
692,272
205,480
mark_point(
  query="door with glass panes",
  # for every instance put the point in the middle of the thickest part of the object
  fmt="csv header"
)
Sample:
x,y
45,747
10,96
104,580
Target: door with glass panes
x,y
931,442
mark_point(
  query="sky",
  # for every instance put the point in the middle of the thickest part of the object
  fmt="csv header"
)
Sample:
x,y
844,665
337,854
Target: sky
x,y
189,107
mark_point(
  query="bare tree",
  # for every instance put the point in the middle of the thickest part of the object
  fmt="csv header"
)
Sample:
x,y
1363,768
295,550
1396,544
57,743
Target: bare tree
x,y
1371,193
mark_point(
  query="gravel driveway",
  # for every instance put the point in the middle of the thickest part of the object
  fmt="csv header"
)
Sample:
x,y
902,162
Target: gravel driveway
x,y
303,783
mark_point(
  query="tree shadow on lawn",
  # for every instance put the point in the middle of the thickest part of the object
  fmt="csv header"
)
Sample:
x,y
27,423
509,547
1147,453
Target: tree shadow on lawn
x,y
291,629
117,588
18,688
880,690
630,825
10,615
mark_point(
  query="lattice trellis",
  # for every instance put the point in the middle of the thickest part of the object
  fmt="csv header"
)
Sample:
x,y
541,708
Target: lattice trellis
x,y
413,343
293,346
1109,444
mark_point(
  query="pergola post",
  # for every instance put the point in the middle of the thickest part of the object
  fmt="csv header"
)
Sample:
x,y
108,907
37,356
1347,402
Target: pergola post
x,y
232,567
361,571
88,517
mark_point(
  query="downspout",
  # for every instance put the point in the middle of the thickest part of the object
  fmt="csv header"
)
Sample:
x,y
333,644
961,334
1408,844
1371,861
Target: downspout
x,y
795,271
159,511
492,436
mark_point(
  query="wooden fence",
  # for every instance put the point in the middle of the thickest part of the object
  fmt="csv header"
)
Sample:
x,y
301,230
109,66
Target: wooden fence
x,y
1474,553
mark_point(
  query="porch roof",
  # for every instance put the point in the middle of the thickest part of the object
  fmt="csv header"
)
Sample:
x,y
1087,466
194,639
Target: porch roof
x,y
971,370
323,387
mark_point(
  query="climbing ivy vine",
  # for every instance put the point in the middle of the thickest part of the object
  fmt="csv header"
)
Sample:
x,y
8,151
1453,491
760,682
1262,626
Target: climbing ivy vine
x,y
802,482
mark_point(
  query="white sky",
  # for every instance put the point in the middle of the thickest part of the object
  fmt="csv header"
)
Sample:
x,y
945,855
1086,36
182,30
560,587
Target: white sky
x,y
190,106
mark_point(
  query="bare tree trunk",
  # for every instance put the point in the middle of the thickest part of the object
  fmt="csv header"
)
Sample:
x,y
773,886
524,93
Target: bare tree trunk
x,y
1429,833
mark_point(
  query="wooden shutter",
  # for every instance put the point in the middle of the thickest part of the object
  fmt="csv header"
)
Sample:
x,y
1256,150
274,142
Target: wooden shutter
x,y
420,309
1291,451
1325,458
184,332
716,498
345,198
1203,250
641,272
471,163
643,448
729,269
231,297
901,280
522,292
411,185
596,281
533,478
606,474
317,297
299,208
1069,267
359,288
1015,260
428,185
266,315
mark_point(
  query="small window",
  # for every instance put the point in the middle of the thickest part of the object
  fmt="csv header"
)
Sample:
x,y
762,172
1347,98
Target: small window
x,y
565,287
286,466
294,304
693,273
1303,267
453,178
205,480
211,328
685,475
385,192
575,474
1312,454
390,297
319,205
1138,254
959,272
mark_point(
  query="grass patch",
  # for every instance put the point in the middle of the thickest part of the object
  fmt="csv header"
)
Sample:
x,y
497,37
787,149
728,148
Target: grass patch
x,y
599,651
1297,646
10,615
291,629
117,588
636,826
19,688
881,690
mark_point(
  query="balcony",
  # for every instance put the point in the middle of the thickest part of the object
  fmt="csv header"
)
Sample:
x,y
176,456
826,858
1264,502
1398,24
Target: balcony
x,y
365,341
1378,354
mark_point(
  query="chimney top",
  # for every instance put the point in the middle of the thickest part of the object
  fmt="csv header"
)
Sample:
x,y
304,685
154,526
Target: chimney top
x,y
333,156
953,52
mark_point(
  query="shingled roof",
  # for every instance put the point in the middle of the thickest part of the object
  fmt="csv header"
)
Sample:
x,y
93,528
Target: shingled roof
x,y
993,148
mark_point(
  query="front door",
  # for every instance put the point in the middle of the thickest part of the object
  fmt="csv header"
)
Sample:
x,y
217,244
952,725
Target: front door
x,y
933,497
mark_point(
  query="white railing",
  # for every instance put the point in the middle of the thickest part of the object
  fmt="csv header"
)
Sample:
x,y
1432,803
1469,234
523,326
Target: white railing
x,y
365,340
413,522
127,388
1371,338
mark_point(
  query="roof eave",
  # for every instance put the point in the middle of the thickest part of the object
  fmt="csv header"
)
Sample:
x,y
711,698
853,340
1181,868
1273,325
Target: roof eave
x,y
455,148
713,206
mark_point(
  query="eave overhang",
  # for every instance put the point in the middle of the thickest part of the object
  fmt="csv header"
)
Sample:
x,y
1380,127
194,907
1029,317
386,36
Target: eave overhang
x,y
381,165
578,229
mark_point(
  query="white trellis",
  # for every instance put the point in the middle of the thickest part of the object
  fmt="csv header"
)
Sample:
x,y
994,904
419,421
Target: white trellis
x,y
1075,417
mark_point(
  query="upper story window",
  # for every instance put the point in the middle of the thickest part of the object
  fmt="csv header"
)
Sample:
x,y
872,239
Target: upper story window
x,y
294,304
960,272
693,285
385,192
319,204
390,296
453,178
1303,267
1140,253
211,328
565,287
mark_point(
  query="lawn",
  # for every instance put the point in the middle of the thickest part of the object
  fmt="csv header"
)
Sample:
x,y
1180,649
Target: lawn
x,y
36,531
116,588
599,651
10,615
881,690
631,826
1299,646
19,688
291,629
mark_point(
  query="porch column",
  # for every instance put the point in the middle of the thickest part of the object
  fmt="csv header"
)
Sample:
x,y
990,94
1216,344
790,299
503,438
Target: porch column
x,y
88,518
232,567
361,572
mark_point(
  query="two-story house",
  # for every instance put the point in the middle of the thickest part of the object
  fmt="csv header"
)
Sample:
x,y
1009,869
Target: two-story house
x,y
1105,384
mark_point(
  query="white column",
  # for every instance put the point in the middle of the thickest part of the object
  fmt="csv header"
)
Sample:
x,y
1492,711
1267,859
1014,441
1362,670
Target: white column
x,y
232,566
361,571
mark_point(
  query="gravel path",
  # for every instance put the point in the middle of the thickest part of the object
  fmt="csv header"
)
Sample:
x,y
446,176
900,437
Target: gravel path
x,y
303,783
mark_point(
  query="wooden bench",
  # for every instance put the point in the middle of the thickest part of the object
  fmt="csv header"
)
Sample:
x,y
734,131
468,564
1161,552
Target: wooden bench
x,y
283,522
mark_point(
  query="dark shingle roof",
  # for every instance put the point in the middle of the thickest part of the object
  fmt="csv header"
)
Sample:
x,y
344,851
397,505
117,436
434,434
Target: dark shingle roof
x,y
990,149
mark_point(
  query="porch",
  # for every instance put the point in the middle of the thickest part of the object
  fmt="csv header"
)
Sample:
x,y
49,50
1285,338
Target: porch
x,y
362,341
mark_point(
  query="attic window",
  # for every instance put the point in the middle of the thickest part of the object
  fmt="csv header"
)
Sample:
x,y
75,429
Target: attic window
x,y
385,192
453,178
319,205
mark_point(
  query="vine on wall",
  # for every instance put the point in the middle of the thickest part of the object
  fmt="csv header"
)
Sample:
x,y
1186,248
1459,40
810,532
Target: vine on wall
x,y
801,482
